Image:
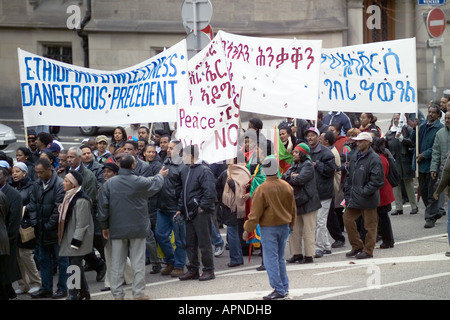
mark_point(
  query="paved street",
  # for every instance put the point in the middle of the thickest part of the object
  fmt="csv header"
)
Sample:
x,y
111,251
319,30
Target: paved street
x,y
415,269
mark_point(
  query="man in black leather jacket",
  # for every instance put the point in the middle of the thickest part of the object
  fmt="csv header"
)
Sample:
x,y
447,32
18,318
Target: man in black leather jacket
x,y
197,205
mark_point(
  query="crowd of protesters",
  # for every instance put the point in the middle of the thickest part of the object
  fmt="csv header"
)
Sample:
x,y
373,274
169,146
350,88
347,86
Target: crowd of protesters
x,y
113,205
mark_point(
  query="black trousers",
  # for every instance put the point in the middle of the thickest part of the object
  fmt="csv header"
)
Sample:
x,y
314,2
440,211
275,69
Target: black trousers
x,y
198,236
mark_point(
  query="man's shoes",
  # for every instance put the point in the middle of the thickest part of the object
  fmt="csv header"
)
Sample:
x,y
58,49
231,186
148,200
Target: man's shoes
x,y
363,255
261,268
232,265
415,211
190,275
306,260
429,224
19,292
447,254
219,250
295,258
176,272
319,254
101,273
85,295
274,295
59,294
42,294
326,251
33,290
353,252
156,269
105,289
396,212
167,270
338,244
386,245
207,275
88,267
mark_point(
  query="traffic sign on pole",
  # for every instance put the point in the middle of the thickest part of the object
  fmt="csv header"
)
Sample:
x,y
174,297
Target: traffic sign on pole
x,y
196,15
436,22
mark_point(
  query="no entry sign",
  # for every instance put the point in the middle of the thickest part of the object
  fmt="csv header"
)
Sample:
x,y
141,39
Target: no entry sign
x,y
436,22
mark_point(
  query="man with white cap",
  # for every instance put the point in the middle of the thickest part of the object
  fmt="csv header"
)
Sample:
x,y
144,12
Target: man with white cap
x,y
365,177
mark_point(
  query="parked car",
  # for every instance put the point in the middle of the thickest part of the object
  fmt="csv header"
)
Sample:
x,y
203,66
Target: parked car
x,y
8,140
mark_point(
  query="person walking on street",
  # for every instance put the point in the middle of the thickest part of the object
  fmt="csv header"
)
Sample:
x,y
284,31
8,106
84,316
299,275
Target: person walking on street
x,y
274,209
197,201
364,179
167,206
76,230
123,217
9,232
45,199
325,167
427,133
301,177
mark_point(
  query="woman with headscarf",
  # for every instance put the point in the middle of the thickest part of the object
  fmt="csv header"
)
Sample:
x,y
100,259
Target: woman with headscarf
x,y
31,279
76,230
301,176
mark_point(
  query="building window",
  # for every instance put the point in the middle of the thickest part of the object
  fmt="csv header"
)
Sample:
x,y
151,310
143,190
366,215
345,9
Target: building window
x,y
379,20
58,52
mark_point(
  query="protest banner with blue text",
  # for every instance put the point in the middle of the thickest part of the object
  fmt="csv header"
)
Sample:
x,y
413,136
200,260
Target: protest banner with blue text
x,y
378,77
56,93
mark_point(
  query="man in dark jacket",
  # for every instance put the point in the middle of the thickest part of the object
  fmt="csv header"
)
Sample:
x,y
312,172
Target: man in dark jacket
x,y
364,179
168,204
427,134
9,269
198,203
325,166
45,199
123,217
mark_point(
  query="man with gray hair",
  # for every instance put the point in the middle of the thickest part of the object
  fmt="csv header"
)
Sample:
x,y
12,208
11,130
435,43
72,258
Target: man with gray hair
x,y
124,219
274,209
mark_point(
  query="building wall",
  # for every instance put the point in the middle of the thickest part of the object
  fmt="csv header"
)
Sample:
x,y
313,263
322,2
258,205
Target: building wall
x,y
123,33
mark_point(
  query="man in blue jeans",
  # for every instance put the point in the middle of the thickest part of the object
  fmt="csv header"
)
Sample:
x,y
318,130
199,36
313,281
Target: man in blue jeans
x,y
168,204
274,209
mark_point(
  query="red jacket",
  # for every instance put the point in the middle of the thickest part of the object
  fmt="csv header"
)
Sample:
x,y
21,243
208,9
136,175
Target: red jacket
x,y
386,193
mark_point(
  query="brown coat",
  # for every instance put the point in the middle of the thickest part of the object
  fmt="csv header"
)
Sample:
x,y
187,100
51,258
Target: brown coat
x,y
273,204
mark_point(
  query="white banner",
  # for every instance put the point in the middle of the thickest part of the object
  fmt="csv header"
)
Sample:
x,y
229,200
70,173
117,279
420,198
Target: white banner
x,y
378,77
56,93
278,77
214,130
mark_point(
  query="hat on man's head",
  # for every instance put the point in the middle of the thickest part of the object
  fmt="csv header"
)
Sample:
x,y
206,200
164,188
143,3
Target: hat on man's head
x,y
31,132
101,138
53,147
363,136
4,164
313,129
112,166
303,147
